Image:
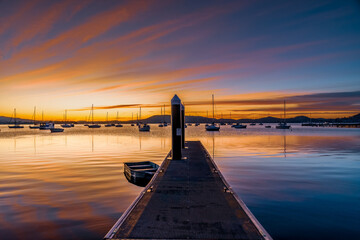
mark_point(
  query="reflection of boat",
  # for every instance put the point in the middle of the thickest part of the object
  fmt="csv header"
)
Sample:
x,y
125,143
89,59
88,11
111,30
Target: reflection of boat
x,y
92,125
252,124
15,123
197,124
140,173
283,125
261,124
213,126
267,126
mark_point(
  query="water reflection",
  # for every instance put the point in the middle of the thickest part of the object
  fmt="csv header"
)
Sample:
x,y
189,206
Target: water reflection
x,y
71,185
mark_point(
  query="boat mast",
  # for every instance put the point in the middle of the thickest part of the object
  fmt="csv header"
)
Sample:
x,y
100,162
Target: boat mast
x,y
164,114
117,116
284,111
161,113
15,116
213,108
140,114
92,114
34,114
42,116
107,117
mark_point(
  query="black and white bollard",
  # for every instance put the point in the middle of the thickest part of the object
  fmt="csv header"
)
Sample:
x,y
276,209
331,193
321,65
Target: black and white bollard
x,y
182,108
176,127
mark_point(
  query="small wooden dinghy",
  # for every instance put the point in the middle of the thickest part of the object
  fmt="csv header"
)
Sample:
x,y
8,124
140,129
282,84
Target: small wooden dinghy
x,y
140,173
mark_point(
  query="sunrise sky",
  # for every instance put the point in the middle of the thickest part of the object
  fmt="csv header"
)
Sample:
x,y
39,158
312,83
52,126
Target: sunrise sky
x,y
118,55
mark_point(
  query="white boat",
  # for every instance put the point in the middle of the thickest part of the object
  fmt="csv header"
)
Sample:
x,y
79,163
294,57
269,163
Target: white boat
x,y
92,125
283,124
46,126
213,126
65,125
15,123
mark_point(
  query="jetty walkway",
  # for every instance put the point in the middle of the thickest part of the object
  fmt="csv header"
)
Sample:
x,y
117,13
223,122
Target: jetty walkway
x,y
188,199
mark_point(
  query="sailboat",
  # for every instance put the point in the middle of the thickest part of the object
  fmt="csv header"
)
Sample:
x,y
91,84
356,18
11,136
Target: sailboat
x,y
161,125
107,120
65,125
145,127
45,125
92,125
213,126
15,123
34,126
132,119
117,120
283,124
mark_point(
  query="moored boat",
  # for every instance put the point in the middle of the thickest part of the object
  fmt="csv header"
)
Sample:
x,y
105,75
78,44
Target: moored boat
x,y
16,125
283,124
53,130
140,173
238,126
92,125
213,126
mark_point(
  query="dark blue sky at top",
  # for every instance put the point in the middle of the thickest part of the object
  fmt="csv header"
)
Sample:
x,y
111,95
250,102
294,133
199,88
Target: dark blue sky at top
x,y
262,46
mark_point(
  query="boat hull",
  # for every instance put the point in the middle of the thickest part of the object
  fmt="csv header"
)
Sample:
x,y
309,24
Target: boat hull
x,y
16,126
240,126
56,130
94,126
140,173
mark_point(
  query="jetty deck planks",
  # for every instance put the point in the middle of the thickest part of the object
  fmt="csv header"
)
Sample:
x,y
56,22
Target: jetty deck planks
x,y
188,199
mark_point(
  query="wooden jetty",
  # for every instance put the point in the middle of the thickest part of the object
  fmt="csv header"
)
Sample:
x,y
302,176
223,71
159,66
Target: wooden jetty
x,y
188,199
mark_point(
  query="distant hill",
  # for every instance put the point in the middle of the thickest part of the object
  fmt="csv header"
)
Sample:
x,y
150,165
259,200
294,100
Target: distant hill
x,y
297,119
7,120
198,119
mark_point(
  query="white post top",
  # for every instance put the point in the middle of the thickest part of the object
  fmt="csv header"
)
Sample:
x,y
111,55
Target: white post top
x,y
175,100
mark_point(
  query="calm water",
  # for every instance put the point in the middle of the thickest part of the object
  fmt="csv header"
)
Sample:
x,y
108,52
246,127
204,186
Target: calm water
x,y
300,184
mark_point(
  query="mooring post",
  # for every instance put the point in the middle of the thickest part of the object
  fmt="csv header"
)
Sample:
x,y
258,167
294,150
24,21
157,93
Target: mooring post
x,y
176,127
182,107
